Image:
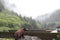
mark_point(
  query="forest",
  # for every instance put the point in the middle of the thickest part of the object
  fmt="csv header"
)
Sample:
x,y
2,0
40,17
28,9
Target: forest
x,y
10,20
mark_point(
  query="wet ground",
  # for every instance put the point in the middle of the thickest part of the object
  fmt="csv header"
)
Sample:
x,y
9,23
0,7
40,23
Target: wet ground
x,y
31,38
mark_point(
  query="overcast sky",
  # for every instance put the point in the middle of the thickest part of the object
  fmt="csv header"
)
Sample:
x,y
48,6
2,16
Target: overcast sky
x,y
34,8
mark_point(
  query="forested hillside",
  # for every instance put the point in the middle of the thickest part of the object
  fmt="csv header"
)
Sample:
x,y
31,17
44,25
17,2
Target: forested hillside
x,y
10,20
52,21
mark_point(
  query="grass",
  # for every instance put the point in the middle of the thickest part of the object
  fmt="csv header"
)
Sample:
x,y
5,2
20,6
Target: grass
x,y
6,39
2,29
5,29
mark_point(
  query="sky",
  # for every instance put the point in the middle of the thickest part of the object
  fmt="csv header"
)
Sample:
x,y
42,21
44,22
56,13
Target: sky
x,y
33,8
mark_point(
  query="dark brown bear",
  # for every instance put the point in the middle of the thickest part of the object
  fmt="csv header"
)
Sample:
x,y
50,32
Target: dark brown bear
x,y
19,33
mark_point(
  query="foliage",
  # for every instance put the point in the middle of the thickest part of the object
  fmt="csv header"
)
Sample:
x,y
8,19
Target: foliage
x,y
10,20
31,23
6,38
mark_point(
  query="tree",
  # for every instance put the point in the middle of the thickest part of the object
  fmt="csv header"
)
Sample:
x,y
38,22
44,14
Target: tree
x,y
52,25
1,5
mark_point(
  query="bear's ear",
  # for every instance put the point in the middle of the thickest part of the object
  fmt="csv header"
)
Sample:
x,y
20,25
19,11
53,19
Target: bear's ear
x,y
25,29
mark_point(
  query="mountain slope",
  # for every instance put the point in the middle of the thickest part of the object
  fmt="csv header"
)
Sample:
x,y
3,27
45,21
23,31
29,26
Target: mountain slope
x,y
53,17
50,21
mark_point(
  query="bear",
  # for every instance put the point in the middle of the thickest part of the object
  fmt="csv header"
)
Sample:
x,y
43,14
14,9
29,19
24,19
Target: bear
x,y
19,33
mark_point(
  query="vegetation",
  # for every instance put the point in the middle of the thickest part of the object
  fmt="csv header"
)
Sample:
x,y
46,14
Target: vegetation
x,y
6,39
10,20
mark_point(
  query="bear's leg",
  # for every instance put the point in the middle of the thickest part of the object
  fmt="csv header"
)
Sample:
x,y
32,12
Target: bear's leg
x,y
23,36
16,37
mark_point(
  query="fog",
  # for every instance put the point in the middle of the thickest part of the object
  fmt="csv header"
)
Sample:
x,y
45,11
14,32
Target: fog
x,y
33,8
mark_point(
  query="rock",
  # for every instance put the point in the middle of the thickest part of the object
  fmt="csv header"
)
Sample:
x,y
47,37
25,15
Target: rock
x,y
30,38
35,38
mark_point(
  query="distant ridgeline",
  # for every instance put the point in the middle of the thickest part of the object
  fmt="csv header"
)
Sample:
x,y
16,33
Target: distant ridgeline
x,y
11,21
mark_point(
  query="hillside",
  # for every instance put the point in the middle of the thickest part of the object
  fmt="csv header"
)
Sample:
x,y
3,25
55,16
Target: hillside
x,y
53,17
11,21
49,19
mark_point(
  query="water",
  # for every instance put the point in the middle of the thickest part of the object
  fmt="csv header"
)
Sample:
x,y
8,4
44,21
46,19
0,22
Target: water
x,y
31,38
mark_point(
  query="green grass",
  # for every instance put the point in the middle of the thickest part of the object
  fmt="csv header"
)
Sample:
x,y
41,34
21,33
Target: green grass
x,y
5,29
6,39
2,29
